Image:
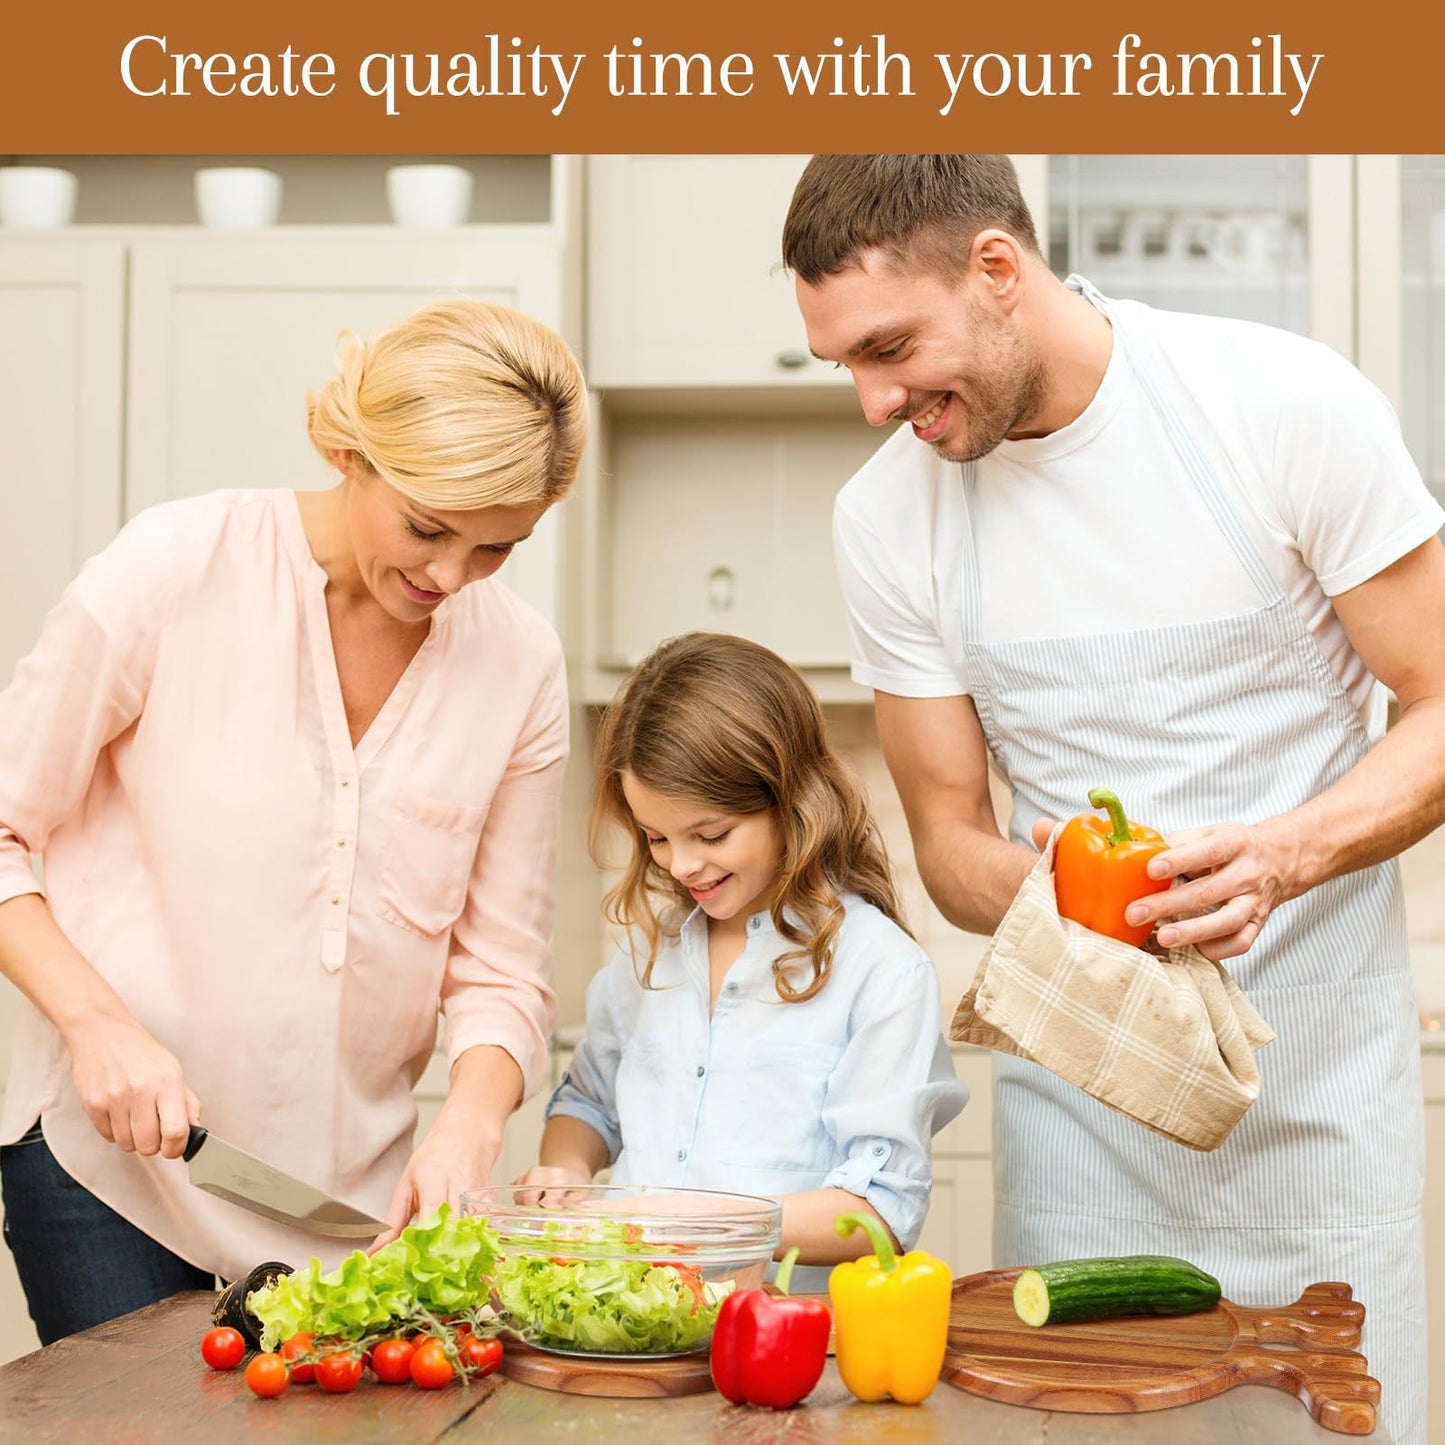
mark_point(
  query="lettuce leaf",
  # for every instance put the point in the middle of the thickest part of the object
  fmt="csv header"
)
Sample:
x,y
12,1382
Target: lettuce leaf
x,y
442,1265
608,1306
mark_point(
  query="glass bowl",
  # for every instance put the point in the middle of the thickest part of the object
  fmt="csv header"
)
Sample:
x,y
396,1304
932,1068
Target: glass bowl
x,y
622,1269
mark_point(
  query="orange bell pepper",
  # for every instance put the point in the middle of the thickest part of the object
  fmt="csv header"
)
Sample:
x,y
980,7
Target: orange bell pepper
x,y
1101,867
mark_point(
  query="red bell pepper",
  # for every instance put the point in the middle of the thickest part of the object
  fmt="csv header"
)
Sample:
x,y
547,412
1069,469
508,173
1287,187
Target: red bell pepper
x,y
768,1350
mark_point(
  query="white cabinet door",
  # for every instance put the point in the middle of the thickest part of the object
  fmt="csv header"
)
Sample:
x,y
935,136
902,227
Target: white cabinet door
x,y
230,334
61,354
685,280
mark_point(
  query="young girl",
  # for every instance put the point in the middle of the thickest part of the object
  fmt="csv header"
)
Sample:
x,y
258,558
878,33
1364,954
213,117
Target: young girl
x,y
769,1027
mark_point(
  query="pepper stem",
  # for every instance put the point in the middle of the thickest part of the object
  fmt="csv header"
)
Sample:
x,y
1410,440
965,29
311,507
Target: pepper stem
x,y
845,1224
784,1276
1118,823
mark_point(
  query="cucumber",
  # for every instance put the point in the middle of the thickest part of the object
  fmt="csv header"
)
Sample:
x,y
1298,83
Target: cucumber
x,y
1097,1289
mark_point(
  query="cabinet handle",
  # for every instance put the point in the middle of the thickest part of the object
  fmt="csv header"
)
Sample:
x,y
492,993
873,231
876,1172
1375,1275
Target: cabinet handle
x,y
792,360
721,589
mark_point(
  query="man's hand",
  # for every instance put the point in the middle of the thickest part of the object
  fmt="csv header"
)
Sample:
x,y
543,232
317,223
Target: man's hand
x,y
1229,879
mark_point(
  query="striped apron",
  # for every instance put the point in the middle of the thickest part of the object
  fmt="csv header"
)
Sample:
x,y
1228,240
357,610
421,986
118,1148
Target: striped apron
x,y
1231,720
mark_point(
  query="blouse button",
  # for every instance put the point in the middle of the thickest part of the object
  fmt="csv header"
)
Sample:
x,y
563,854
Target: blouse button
x,y
681,1155
346,782
879,1149
335,901
341,842
700,1071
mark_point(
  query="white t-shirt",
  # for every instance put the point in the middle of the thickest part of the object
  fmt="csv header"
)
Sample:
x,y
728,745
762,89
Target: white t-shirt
x,y
1099,528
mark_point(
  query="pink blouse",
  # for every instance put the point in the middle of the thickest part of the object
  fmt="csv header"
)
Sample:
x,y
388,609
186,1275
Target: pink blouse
x,y
285,912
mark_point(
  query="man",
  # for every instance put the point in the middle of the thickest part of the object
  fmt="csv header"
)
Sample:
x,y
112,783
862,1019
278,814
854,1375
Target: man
x,y
1175,556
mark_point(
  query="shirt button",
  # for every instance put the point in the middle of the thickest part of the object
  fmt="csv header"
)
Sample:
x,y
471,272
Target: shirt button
x,y
681,1155
341,842
755,924
346,782
335,901
700,1071
730,988
879,1149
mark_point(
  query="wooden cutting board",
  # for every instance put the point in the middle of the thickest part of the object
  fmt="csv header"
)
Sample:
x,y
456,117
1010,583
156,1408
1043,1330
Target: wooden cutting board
x,y
1150,1362
629,1376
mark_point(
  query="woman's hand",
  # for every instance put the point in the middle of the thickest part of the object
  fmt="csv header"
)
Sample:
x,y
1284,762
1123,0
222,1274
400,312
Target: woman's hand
x,y
1230,878
552,1185
445,1165
131,1086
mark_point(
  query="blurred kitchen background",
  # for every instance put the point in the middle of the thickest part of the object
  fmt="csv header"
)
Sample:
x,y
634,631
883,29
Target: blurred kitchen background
x,y
144,355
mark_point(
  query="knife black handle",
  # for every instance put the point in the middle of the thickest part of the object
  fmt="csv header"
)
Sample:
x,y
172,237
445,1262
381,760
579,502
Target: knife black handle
x,y
196,1138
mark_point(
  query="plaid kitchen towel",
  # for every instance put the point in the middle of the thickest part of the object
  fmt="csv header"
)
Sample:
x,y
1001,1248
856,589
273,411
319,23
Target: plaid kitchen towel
x,y
1166,1038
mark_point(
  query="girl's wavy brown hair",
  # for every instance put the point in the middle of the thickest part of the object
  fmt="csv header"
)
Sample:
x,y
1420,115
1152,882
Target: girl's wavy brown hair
x,y
714,719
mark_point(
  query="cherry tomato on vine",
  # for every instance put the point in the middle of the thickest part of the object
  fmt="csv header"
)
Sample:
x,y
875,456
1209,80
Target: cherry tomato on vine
x,y
430,1368
222,1348
391,1361
339,1372
267,1376
480,1356
299,1344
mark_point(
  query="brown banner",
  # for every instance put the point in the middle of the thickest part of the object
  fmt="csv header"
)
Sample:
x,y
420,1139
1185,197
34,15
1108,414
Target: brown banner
x,y
289,77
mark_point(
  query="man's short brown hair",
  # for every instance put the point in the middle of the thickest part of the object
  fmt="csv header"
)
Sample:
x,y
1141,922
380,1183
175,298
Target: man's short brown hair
x,y
919,210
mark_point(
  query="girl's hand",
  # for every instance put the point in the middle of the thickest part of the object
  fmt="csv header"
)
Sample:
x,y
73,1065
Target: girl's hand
x,y
130,1086
442,1169
556,1183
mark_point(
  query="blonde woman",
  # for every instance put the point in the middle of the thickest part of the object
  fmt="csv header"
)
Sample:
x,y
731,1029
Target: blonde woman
x,y
292,763
769,1026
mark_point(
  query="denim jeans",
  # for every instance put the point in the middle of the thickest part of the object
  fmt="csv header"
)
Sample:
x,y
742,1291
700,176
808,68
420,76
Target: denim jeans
x,y
79,1262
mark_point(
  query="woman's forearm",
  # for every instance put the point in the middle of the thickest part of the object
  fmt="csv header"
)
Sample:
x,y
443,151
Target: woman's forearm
x,y
483,1092
50,971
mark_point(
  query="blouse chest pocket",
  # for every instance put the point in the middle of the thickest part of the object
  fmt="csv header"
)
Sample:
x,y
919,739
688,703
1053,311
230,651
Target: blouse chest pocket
x,y
426,864
788,1085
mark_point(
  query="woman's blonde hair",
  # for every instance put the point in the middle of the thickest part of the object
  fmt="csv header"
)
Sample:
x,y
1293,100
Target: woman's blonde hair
x,y
714,719
465,404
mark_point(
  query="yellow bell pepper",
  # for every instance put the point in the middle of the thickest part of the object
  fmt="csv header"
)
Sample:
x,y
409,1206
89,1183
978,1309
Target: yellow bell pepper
x,y
890,1316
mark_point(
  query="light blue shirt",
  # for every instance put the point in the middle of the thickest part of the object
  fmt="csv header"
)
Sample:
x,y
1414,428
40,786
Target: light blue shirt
x,y
845,1090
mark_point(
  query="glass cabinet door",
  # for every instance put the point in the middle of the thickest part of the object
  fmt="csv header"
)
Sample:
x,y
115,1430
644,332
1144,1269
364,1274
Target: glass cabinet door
x,y
1264,238
1422,314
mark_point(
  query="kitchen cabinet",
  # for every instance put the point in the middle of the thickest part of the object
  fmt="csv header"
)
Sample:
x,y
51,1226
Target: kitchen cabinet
x,y
61,390
1402,297
686,281
1264,238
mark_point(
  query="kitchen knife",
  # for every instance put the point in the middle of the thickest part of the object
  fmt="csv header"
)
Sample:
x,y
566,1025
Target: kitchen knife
x,y
230,1173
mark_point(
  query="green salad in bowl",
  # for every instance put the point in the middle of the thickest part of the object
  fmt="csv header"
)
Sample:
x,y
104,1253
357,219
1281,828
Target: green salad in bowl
x,y
619,1270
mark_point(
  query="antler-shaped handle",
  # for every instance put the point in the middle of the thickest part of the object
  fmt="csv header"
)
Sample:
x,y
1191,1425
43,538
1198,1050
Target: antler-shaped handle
x,y
1325,1317
1338,1392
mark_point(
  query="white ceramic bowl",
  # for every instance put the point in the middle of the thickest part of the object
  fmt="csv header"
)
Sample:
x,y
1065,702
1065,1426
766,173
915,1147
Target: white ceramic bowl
x,y
36,197
233,198
429,195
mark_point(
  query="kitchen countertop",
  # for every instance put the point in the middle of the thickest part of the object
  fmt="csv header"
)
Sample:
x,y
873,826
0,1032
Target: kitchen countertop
x,y
140,1379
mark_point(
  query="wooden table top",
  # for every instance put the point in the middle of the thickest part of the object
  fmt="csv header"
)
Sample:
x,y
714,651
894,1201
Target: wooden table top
x,y
141,1379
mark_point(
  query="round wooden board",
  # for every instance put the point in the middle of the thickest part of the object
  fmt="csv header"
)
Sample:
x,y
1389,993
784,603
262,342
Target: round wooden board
x,y
628,1376
1152,1362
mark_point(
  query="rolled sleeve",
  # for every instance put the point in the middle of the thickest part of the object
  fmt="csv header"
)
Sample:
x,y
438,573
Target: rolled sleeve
x,y
589,1090
888,1098
497,987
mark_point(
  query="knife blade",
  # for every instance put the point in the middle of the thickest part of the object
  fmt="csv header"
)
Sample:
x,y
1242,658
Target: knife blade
x,y
230,1173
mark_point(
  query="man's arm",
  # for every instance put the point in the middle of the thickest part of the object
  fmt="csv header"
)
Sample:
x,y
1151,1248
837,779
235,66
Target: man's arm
x,y
935,751
1390,799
